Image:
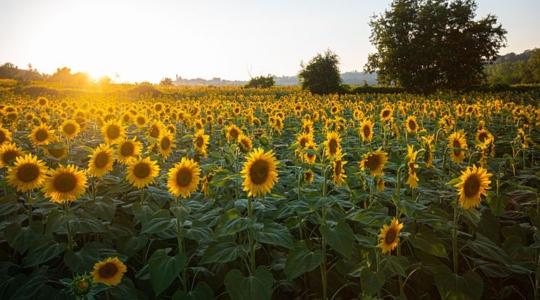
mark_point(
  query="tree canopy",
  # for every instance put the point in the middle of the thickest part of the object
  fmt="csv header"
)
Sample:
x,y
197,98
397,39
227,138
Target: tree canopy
x,y
261,82
321,74
425,45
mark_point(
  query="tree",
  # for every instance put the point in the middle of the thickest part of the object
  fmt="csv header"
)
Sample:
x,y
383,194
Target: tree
x,y
166,81
261,82
321,74
425,45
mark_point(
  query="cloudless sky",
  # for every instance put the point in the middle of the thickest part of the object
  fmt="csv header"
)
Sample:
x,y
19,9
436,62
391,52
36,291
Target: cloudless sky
x,y
133,40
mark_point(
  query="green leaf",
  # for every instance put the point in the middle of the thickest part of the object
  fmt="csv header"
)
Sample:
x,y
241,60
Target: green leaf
x,y
453,286
164,269
340,238
44,252
257,286
82,260
160,222
201,292
371,282
428,242
301,260
274,234
220,253
396,265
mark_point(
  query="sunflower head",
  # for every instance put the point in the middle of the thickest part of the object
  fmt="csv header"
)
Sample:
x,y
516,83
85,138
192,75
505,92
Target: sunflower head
x,y
411,125
128,149
70,129
5,136
113,131
8,153
142,172
245,143
184,178
309,176
166,143
28,173
200,142
366,130
57,150
374,162
65,184
389,236
457,143
109,271
101,161
232,132
41,135
474,183
338,170
332,144
259,172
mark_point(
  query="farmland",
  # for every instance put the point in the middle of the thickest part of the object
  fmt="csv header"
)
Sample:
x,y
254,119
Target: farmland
x,y
235,193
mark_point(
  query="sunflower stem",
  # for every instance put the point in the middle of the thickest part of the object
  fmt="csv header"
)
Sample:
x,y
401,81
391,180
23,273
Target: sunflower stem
x,y
324,275
251,237
30,213
68,228
180,240
454,237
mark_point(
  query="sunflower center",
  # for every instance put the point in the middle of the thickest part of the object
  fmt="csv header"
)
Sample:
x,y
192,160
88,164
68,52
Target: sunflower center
x,y
140,120
127,149
199,141
41,135
385,113
65,182
471,186
332,145
373,162
9,156
28,172
101,160
56,152
259,171
141,170
412,125
234,133
366,130
183,177
165,143
113,132
457,147
154,132
482,136
390,236
2,137
108,270
69,129
337,168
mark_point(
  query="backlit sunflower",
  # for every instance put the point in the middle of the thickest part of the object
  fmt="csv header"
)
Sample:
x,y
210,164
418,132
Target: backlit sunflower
x,y
101,161
232,132
366,130
41,135
184,178
389,236
200,143
128,149
27,173
332,144
166,143
142,172
5,136
8,153
374,162
70,129
109,271
457,143
411,125
65,184
259,172
474,183
113,131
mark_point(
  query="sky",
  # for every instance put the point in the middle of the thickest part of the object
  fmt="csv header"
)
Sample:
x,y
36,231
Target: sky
x,y
144,40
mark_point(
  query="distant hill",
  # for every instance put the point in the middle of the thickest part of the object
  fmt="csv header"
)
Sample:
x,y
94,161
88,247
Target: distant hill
x,y
512,68
513,57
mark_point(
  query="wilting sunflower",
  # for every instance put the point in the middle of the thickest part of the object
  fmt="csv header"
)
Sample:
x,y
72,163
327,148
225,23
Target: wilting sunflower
x,y
142,172
184,178
474,183
109,271
27,173
245,143
128,149
101,161
338,170
411,125
389,236
5,136
113,131
200,143
366,130
457,143
70,129
8,153
232,132
374,162
332,144
166,143
259,172
41,135
65,184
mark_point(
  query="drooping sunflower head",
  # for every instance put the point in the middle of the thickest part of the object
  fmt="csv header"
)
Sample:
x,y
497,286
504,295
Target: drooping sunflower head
x,y
366,130
474,183
374,162
303,139
70,129
109,271
389,236
166,143
113,131
65,184
184,178
142,172
8,153
332,144
42,135
245,143
28,173
101,161
259,172
457,143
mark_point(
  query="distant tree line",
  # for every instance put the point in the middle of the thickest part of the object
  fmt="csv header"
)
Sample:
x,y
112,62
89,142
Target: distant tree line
x,y
63,75
261,82
510,69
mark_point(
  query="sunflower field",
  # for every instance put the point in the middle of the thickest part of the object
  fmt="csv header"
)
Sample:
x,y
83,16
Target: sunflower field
x,y
273,194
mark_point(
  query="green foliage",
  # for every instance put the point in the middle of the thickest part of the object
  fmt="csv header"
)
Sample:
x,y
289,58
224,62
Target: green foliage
x,y
519,71
261,82
428,45
321,74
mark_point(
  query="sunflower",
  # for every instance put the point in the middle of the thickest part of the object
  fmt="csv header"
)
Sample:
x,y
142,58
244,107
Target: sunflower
x,y
338,170
245,143
374,162
101,161
57,150
65,184
109,271
430,149
232,132
41,135
200,143
309,155
386,113
142,172
166,143
303,139
366,130
70,129
457,143
474,183
332,144
483,135
8,153
184,178
308,176
155,130
389,236
27,173
259,172
5,136
140,121
128,149
379,183
113,131
411,125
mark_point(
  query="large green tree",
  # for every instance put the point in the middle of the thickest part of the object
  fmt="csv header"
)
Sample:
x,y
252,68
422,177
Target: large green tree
x,y
425,45
321,74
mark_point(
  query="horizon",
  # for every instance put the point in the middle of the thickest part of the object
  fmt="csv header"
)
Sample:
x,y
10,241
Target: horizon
x,y
106,38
